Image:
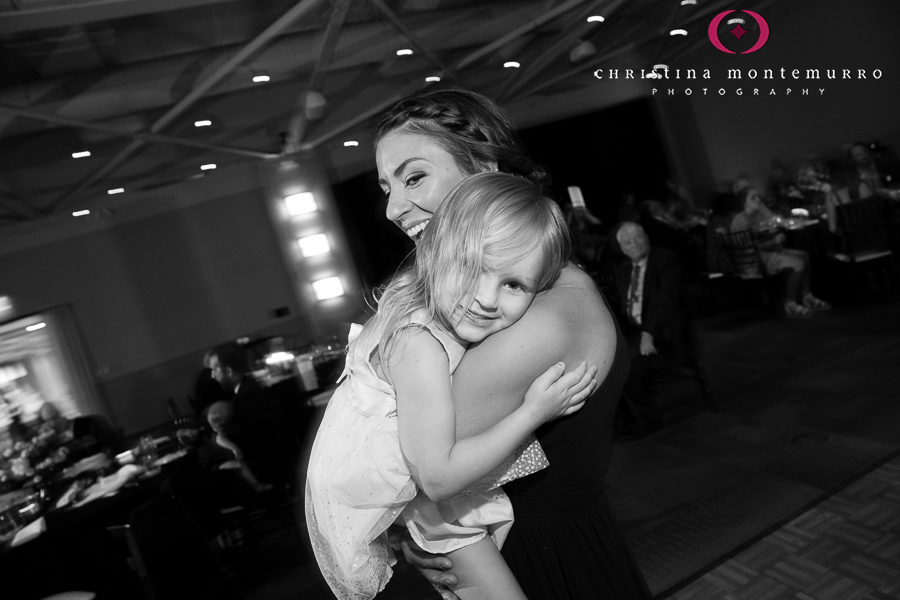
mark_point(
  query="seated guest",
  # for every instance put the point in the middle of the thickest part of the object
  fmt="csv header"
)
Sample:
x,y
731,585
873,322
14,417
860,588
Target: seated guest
x,y
206,389
751,214
665,231
862,177
649,302
259,426
221,452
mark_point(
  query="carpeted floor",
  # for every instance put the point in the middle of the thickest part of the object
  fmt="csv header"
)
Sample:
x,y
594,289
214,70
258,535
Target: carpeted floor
x,y
845,548
804,407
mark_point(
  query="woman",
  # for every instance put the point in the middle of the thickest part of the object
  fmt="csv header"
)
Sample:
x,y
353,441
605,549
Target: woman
x,y
753,215
564,543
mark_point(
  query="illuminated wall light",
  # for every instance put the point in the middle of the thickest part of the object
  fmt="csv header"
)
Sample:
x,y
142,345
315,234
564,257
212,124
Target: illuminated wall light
x,y
81,213
82,154
511,64
300,204
314,245
404,52
115,191
595,19
432,79
351,144
277,358
36,326
208,167
6,306
330,287
678,32
203,123
261,79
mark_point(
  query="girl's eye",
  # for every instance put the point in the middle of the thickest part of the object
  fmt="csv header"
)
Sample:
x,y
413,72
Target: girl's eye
x,y
414,179
516,285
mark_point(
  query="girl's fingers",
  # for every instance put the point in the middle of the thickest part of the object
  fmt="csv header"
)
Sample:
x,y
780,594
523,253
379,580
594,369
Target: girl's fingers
x,y
572,378
550,376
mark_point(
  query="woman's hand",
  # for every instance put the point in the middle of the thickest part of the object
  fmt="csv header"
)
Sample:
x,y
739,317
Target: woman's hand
x,y
556,392
433,567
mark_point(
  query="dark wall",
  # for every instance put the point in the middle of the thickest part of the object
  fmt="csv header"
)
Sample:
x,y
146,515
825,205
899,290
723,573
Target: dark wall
x,y
607,153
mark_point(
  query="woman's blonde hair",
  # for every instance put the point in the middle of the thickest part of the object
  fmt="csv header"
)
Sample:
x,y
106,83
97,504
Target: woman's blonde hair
x,y
488,220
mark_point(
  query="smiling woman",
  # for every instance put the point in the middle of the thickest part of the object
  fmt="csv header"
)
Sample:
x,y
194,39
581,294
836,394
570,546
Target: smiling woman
x,y
387,448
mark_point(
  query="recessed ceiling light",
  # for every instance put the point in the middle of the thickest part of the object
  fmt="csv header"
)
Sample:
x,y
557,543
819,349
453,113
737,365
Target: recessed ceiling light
x,y
203,123
432,79
351,143
261,79
678,32
208,167
81,213
511,64
36,326
404,52
82,154
595,19
115,191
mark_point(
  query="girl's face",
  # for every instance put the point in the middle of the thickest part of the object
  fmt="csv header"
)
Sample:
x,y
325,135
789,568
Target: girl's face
x,y
415,174
502,296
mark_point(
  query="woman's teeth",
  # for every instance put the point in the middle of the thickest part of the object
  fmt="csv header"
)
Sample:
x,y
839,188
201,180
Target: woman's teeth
x,y
415,230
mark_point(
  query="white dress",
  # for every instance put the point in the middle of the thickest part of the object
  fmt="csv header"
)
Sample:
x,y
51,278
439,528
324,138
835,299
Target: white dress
x,y
358,484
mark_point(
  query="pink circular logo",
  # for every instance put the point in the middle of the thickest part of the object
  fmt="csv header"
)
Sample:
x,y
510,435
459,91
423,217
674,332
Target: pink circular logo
x,y
738,31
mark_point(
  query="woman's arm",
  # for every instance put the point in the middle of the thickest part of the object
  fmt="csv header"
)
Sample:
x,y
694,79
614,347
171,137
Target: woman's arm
x,y
442,465
570,323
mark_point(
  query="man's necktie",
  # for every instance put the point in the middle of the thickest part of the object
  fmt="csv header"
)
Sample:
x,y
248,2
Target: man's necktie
x,y
633,288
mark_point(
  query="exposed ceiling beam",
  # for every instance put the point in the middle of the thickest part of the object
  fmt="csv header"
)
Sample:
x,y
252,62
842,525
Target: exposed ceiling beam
x,y
299,119
562,45
517,33
79,13
272,31
21,111
15,204
469,59
410,35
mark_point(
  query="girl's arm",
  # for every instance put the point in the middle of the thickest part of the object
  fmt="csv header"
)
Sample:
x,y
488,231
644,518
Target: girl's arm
x,y
441,465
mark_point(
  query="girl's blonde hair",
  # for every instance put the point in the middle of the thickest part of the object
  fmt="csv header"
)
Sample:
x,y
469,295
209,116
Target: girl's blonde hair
x,y
488,220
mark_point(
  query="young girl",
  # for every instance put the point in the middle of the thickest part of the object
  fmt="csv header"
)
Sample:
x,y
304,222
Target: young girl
x,y
390,426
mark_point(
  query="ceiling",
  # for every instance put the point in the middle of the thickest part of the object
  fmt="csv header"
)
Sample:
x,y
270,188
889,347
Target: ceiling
x,y
127,80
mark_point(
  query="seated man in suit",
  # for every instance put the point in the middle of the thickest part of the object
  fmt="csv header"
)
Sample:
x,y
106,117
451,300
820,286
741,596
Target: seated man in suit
x,y
259,426
649,303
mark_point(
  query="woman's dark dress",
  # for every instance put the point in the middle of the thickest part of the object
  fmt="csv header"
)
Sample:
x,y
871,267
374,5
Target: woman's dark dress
x,y
565,543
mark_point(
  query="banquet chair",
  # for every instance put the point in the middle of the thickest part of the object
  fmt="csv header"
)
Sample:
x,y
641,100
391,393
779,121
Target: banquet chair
x,y
739,259
171,558
864,248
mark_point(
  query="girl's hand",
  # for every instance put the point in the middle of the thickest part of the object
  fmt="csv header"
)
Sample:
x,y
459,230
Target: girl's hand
x,y
556,393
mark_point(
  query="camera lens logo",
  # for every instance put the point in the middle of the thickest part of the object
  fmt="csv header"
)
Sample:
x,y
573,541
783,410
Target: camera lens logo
x,y
734,29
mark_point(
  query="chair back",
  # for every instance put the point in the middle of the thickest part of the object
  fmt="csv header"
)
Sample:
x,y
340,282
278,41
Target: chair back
x,y
863,225
172,558
743,254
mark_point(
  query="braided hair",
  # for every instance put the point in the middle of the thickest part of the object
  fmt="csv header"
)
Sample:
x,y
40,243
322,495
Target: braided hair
x,y
469,126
